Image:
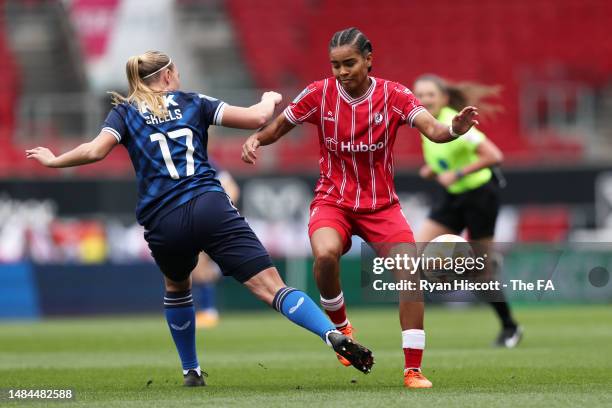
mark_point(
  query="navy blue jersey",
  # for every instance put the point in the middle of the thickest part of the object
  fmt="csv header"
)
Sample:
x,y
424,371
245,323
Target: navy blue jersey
x,y
169,154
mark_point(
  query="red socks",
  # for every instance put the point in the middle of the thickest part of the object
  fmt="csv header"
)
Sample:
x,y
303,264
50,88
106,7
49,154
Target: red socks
x,y
336,310
413,343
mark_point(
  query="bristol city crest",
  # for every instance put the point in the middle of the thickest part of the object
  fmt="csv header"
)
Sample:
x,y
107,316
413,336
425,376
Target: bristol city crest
x,y
378,118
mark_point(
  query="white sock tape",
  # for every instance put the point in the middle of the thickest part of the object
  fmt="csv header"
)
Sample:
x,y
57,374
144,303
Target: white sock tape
x,y
414,339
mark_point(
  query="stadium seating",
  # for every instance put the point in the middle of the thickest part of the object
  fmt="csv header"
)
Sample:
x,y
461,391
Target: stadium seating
x,y
496,42
284,44
543,224
9,86
270,38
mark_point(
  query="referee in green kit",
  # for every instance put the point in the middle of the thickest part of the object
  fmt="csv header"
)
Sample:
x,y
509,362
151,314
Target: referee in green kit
x,y
463,167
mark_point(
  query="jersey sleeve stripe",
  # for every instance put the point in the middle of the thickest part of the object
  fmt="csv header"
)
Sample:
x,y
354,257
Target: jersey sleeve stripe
x,y
399,112
307,115
218,118
112,132
413,114
290,117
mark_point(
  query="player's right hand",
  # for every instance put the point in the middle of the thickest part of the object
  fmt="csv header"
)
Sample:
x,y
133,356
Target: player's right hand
x,y
42,154
464,120
274,96
248,149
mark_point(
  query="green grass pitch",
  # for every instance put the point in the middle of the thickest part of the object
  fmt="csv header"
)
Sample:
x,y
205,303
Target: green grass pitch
x,y
259,359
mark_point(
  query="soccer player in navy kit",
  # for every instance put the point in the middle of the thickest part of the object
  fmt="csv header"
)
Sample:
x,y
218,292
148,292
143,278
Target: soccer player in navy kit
x,y
182,205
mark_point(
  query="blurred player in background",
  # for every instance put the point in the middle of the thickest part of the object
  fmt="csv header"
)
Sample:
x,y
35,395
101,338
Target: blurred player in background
x,y
207,273
182,205
357,117
463,167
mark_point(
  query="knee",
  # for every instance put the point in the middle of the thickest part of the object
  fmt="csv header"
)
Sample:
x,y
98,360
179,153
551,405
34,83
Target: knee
x,y
173,286
327,257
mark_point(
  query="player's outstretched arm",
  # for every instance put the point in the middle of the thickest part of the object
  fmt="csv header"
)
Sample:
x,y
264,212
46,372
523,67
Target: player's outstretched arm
x,y
268,135
254,116
440,133
85,153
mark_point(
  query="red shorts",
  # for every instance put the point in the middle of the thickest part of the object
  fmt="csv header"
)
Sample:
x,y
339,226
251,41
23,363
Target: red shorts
x,y
383,226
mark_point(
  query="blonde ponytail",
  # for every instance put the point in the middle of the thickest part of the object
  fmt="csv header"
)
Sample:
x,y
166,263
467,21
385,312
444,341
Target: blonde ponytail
x,y
467,93
141,71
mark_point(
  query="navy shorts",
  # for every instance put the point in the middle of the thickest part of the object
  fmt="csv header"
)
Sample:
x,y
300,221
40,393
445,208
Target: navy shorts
x,y
209,223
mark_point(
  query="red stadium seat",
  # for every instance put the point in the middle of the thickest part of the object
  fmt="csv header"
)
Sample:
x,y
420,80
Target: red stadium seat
x,y
9,87
495,42
543,224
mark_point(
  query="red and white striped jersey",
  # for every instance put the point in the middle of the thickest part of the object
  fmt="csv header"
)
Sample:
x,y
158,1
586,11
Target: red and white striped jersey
x,y
356,137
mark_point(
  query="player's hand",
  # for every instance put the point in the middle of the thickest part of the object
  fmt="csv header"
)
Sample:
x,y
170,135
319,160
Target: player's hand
x,y
42,154
274,96
248,149
426,172
465,119
447,178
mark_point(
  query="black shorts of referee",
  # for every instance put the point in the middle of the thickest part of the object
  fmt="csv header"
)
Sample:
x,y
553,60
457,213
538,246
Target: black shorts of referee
x,y
475,210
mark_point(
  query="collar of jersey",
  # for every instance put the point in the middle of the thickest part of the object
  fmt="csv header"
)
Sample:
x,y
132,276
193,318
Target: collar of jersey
x,y
354,101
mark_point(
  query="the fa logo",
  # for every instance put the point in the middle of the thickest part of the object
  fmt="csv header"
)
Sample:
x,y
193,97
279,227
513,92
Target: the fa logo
x,y
330,116
331,144
301,95
378,118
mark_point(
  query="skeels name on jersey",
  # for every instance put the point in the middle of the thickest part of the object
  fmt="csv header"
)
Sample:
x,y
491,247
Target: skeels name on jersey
x,y
173,114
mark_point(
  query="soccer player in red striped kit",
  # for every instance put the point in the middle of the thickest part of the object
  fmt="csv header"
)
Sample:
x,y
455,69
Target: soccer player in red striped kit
x,y
357,117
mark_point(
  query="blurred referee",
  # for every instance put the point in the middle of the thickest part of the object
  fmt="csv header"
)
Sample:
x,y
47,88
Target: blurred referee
x,y
464,168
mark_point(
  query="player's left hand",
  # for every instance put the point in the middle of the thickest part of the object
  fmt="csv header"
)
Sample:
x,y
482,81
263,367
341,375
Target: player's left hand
x,y
465,119
42,154
248,149
447,178
426,172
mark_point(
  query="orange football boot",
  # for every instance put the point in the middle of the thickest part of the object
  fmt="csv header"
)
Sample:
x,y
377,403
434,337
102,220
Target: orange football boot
x,y
348,332
206,319
416,379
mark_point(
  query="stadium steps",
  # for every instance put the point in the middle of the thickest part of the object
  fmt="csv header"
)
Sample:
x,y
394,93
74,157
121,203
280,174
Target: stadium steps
x,y
45,47
210,38
50,66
